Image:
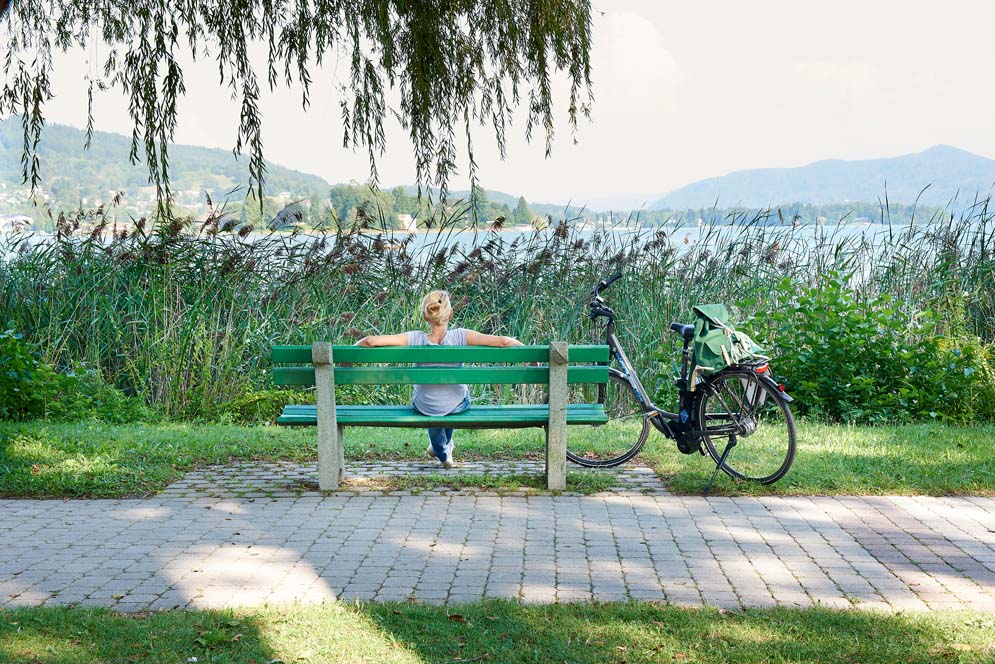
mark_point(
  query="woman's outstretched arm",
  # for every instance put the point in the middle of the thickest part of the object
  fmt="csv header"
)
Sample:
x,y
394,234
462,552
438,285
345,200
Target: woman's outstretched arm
x,y
375,340
477,339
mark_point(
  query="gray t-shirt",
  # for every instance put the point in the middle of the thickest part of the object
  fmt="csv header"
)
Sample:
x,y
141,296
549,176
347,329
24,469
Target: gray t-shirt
x,y
437,400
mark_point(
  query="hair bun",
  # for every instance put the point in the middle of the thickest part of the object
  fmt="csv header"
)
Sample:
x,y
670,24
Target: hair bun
x,y
436,307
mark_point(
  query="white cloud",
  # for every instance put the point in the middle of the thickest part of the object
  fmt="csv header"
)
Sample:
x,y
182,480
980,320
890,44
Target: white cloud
x,y
848,78
633,71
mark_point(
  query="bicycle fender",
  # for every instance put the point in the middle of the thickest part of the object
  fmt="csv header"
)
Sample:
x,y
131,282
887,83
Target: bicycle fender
x,y
767,380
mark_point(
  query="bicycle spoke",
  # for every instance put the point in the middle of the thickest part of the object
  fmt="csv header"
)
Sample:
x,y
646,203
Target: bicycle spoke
x,y
617,441
737,404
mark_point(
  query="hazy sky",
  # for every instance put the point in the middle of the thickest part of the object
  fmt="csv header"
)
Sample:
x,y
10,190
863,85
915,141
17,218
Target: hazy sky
x,y
683,90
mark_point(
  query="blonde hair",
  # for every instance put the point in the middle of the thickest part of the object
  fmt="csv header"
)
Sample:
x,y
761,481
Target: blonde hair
x,y
436,307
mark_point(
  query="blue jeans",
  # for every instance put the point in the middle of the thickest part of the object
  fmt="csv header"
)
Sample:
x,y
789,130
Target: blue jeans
x,y
442,439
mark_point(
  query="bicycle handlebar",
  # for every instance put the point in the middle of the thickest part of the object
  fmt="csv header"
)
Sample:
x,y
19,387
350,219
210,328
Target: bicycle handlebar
x,y
597,305
605,283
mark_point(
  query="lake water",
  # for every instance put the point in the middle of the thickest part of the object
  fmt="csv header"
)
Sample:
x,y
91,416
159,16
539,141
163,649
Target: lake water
x,y
678,234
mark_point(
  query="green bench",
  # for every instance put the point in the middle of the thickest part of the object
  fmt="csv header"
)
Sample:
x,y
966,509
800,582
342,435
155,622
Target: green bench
x,y
326,366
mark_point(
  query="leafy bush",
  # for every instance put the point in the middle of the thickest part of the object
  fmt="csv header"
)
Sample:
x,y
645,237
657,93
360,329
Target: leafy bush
x,y
26,383
83,394
970,373
850,357
262,405
30,389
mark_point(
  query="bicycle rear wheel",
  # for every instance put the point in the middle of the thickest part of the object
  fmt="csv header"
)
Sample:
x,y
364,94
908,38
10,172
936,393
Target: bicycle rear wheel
x,y
737,406
619,440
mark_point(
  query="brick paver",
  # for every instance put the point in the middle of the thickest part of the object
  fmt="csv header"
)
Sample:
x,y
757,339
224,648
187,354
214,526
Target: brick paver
x,y
285,479
199,549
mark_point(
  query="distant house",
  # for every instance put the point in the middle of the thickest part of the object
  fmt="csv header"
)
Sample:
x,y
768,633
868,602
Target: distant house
x,y
14,223
406,222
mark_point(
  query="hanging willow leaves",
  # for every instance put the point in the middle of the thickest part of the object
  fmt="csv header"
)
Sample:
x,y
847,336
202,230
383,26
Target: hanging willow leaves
x,y
453,63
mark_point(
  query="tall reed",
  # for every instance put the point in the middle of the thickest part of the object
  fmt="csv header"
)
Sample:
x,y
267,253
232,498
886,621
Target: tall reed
x,y
184,313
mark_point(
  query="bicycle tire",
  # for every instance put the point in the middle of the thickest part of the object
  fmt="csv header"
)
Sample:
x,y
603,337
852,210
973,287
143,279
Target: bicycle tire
x,y
765,438
601,449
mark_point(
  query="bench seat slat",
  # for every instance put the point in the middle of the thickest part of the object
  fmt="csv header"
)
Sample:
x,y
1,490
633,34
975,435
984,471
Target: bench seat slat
x,y
405,354
440,375
478,417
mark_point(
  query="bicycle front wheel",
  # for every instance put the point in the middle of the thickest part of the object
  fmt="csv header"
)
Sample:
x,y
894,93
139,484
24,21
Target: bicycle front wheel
x,y
737,407
619,440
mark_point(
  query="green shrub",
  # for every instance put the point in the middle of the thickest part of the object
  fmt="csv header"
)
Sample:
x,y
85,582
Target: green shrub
x,y
84,394
31,389
262,405
27,384
966,384
850,357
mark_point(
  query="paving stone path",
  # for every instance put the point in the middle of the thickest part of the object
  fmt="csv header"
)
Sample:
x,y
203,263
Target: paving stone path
x,y
285,479
197,546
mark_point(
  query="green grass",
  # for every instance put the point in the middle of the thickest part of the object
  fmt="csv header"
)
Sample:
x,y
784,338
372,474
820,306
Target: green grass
x,y
929,459
493,632
45,459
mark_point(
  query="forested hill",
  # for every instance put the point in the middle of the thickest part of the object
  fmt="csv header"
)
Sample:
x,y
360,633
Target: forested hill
x,y
947,171
72,173
554,210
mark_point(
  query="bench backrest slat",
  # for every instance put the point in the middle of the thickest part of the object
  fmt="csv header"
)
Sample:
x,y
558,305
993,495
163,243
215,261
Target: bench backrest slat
x,y
409,354
440,375
589,365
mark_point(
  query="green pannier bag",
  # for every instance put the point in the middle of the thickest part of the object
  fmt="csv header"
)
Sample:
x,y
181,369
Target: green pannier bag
x,y
717,344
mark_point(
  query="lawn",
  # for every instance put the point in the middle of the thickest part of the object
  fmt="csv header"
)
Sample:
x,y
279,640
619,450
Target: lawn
x,y
492,631
49,459
931,459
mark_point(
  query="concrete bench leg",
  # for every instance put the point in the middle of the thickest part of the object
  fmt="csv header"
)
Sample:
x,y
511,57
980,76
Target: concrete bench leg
x,y
330,461
556,429
331,457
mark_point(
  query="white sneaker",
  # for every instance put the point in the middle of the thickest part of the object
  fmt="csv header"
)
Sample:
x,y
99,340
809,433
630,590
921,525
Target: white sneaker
x,y
430,452
448,463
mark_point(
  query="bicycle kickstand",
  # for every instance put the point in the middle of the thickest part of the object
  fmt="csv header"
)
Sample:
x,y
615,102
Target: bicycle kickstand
x,y
722,459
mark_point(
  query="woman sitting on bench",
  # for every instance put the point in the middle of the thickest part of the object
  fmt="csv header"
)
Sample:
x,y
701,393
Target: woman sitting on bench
x,y
439,400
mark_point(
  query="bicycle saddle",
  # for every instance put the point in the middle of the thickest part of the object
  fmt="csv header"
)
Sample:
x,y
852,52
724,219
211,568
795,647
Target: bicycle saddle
x,y
686,331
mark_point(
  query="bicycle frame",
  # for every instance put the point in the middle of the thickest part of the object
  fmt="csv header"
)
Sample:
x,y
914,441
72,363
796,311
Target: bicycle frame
x,y
698,426
677,426
650,410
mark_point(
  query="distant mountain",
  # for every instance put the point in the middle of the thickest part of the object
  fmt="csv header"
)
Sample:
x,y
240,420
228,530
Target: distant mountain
x,y
946,170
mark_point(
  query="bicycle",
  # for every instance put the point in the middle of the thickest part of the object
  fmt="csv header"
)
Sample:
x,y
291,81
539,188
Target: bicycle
x,y
739,408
